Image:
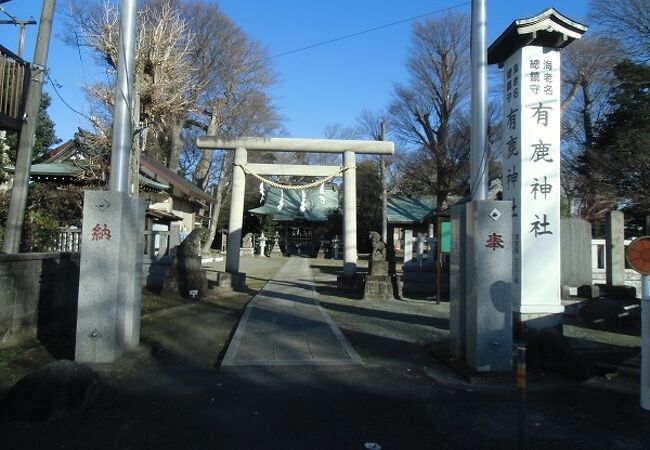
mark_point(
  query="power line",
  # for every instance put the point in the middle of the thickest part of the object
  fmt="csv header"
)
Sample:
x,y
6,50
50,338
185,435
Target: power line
x,y
369,30
56,91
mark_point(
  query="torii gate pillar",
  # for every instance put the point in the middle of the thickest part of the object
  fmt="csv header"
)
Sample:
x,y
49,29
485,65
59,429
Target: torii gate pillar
x,y
236,211
349,215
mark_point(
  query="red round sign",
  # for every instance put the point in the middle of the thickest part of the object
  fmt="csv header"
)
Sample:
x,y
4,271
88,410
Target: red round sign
x,y
638,255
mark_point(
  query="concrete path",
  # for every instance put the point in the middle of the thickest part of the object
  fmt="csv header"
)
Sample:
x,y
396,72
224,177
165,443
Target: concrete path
x,y
284,324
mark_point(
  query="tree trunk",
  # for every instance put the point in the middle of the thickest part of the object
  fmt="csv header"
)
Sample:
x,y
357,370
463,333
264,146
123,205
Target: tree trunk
x,y
216,210
176,143
221,189
202,172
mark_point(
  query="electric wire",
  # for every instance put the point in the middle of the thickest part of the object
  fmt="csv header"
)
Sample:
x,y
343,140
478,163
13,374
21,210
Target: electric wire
x,y
58,94
369,30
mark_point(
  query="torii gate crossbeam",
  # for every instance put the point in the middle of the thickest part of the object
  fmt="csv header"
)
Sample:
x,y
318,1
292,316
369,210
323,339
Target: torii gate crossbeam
x,y
348,148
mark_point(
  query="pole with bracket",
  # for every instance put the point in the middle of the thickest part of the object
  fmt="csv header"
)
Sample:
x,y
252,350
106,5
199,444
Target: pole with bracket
x,y
18,201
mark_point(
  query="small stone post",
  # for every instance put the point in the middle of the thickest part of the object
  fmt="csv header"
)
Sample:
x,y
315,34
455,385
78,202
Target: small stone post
x,y
408,245
431,255
419,248
458,282
335,244
262,245
276,246
615,248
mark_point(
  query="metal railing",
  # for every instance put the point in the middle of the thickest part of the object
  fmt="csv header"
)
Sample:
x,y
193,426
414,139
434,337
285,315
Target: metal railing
x,y
14,79
156,243
69,239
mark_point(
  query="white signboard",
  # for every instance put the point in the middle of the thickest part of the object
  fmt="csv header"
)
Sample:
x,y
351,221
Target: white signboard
x,y
531,176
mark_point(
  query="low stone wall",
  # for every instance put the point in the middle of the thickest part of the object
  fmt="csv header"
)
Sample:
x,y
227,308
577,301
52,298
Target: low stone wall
x,y
632,278
38,295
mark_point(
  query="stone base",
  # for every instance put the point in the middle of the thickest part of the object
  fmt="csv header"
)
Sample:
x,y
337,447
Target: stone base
x,y
246,251
236,281
378,287
181,281
378,267
525,324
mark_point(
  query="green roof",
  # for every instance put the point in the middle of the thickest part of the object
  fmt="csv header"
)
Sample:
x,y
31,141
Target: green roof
x,y
316,211
148,182
409,209
58,169
71,170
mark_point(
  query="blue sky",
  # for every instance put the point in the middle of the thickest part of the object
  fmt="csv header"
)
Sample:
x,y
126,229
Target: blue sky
x,y
330,84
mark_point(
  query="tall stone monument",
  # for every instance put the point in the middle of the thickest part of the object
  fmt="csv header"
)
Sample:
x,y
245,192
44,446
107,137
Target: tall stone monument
x,y
110,279
529,53
488,299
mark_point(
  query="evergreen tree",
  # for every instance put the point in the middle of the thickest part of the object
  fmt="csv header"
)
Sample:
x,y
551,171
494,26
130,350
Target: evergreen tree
x,y
619,162
45,136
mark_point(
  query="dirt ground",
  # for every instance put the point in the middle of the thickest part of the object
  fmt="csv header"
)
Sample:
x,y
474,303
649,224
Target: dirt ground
x,y
172,394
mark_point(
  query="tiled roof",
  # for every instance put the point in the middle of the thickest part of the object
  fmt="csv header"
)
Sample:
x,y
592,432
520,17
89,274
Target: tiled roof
x,y
409,209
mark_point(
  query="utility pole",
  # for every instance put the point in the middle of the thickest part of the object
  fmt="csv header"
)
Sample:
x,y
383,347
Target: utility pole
x,y
21,27
478,142
122,117
384,200
16,213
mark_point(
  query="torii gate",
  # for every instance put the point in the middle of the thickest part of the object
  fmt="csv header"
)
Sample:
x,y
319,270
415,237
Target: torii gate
x,y
349,149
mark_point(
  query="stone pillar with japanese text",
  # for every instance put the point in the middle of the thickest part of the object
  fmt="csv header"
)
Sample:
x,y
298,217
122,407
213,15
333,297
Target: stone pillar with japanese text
x,y
531,175
531,160
110,278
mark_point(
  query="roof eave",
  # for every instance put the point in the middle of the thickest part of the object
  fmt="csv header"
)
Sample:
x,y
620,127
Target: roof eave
x,y
547,29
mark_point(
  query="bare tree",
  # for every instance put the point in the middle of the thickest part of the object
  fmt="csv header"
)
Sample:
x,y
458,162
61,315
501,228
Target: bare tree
x,y
628,21
165,75
424,111
235,78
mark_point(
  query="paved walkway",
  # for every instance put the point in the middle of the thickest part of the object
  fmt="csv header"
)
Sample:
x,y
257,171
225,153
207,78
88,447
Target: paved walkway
x,y
284,324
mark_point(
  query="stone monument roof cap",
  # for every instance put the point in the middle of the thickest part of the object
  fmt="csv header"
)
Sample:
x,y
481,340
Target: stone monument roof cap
x,y
549,28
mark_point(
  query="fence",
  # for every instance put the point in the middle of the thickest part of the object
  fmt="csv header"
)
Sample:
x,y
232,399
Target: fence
x,y
69,240
14,79
599,265
156,243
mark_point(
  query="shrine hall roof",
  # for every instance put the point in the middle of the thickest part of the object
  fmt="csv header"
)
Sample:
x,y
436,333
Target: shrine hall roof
x,y
409,209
